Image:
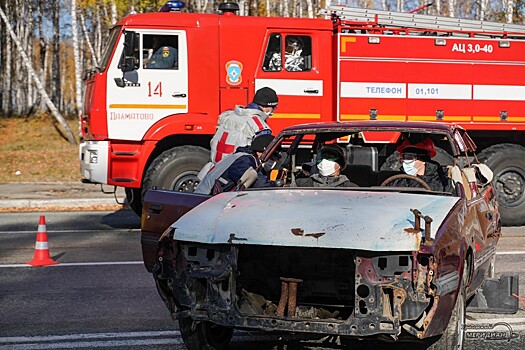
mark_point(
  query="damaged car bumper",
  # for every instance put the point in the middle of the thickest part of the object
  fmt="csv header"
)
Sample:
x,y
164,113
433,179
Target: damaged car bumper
x,y
312,290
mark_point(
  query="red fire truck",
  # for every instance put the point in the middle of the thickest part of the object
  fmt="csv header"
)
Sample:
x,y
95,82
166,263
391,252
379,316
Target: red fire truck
x,y
146,126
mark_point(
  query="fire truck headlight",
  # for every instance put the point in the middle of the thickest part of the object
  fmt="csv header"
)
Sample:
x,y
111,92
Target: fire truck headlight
x,y
93,157
374,40
504,44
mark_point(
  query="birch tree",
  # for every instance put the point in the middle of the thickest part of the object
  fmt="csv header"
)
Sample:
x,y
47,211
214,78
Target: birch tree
x,y
451,8
509,10
76,55
7,91
55,80
310,7
38,84
113,11
400,5
42,44
481,12
94,57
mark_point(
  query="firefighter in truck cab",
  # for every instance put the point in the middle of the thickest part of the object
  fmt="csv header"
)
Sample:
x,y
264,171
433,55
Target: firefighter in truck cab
x,y
237,127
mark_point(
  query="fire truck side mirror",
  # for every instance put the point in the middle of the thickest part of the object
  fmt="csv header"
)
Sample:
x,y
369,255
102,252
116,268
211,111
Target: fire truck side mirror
x,y
128,65
130,40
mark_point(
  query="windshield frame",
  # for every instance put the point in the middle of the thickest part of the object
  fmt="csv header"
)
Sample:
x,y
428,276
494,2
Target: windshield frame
x,y
114,34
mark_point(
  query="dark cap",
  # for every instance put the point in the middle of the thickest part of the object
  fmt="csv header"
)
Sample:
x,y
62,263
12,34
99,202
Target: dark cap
x,y
261,141
266,97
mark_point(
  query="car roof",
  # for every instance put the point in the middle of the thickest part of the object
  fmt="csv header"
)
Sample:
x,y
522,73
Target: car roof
x,y
402,126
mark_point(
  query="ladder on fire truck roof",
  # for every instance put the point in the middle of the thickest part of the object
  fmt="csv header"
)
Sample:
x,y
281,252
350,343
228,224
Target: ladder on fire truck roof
x,y
416,21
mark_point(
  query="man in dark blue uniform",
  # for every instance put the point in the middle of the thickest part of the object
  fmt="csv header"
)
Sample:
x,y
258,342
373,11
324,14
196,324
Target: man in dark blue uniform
x,y
166,57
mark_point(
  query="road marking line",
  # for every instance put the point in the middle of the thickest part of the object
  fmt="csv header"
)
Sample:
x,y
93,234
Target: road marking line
x,y
522,252
97,340
82,336
94,344
496,320
77,231
82,264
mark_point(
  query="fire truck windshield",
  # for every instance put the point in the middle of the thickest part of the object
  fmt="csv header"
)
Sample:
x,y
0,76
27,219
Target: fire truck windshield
x,y
113,36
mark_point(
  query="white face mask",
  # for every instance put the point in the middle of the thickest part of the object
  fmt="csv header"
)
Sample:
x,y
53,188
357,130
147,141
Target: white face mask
x,y
326,167
409,166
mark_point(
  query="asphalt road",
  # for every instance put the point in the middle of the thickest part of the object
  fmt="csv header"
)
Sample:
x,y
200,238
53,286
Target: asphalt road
x,y
101,297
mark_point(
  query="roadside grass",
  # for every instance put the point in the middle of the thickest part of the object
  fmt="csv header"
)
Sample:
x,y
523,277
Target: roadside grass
x,y
33,150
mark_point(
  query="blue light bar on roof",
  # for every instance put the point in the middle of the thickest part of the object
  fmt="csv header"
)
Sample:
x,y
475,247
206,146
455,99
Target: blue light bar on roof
x,y
172,6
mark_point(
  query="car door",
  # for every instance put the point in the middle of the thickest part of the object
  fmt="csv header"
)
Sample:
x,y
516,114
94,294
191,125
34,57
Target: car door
x,y
484,217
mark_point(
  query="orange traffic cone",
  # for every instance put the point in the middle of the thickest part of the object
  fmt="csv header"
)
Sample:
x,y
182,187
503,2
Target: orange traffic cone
x,y
42,257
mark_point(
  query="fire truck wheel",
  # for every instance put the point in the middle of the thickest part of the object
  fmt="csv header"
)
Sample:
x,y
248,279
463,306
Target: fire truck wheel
x,y
442,157
134,199
507,161
176,169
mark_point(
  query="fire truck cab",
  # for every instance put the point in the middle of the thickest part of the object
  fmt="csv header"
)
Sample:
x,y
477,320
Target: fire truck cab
x,y
151,107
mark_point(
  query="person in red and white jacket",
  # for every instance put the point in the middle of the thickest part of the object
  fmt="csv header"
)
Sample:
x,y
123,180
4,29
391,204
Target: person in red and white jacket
x,y
237,127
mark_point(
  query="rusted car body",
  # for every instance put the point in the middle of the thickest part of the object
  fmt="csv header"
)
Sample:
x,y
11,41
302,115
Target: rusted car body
x,y
362,261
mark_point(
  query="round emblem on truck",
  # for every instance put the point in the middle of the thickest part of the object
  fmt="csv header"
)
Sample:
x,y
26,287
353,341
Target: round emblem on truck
x,y
233,72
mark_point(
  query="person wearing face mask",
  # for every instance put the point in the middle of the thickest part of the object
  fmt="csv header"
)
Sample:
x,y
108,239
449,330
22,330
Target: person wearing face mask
x,y
416,160
331,160
237,127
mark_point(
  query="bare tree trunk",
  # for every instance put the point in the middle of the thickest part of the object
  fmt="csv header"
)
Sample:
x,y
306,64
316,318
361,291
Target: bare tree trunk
x,y
509,11
43,47
98,48
28,38
113,10
38,84
55,96
2,67
483,5
451,8
94,58
74,32
243,8
286,10
310,7
400,5
438,7
7,92
17,69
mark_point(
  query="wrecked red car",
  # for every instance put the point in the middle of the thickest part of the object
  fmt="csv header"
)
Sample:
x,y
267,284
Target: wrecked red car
x,y
372,260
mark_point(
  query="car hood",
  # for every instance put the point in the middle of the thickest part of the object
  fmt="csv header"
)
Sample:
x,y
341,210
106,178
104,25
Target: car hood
x,y
350,219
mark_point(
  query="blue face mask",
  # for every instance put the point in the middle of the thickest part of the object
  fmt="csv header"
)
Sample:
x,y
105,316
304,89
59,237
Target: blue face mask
x,y
409,167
